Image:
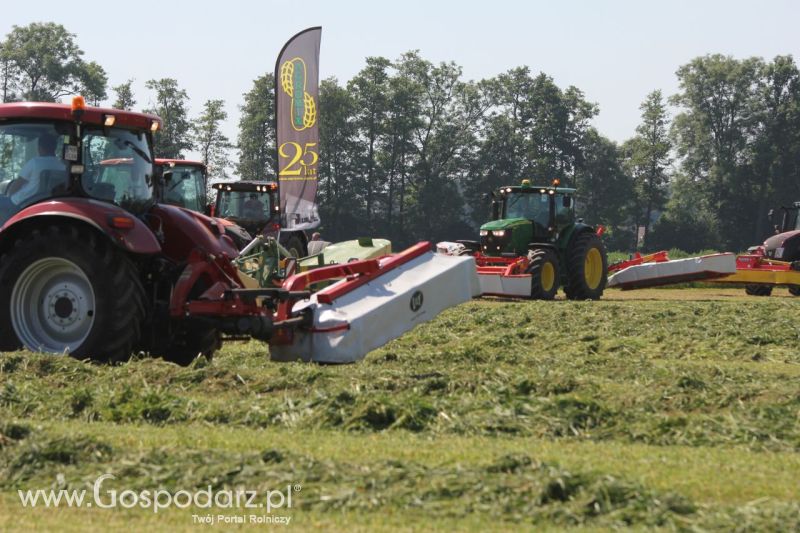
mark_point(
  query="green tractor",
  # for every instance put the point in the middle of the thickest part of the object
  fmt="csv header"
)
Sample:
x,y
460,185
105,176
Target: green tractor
x,y
538,223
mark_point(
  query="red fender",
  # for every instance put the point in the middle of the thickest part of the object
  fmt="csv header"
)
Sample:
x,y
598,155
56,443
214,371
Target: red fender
x,y
123,228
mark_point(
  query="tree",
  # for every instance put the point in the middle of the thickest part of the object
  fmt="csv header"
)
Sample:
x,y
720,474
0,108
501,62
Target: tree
x,y
175,137
369,89
124,92
93,83
647,159
213,145
256,140
714,140
9,75
340,211
43,61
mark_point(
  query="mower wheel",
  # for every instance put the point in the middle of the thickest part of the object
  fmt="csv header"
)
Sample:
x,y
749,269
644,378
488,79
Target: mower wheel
x,y
545,275
587,268
193,342
295,246
755,289
66,289
794,290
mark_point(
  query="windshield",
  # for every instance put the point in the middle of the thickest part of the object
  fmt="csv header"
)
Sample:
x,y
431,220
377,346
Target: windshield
x,y
533,206
186,188
243,205
31,165
118,167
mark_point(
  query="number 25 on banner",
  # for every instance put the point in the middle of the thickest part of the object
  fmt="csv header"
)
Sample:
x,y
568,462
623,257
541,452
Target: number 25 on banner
x,y
302,160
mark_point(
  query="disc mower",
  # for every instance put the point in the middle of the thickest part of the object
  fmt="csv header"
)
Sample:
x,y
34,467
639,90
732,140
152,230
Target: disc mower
x,y
774,263
91,264
534,244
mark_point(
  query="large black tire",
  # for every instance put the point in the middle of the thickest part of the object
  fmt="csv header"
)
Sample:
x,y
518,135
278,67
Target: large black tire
x,y
65,287
587,268
794,290
755,289
193,342
294,245
545,273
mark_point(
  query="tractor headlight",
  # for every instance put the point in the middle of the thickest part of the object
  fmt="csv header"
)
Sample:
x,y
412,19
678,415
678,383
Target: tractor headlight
x,y
484,233
499,233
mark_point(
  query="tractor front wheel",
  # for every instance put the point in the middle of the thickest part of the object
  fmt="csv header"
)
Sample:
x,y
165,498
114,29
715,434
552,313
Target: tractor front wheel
x,y
794,290
545,275
66,289
587,268
294,245
755,289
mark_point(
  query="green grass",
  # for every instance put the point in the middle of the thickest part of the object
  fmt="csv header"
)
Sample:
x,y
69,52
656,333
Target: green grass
x,y
675,409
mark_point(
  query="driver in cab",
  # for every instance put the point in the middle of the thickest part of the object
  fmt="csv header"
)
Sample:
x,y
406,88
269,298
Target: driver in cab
x,y
28,182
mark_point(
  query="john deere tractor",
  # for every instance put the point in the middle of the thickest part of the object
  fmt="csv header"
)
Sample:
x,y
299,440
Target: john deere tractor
x,y
539,222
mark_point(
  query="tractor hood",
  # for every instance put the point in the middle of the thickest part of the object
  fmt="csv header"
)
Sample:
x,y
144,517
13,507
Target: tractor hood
x,y
505,223
783,246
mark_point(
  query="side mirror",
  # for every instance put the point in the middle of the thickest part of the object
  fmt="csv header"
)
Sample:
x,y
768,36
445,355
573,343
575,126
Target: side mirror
x,y
566,201
166,176
495,210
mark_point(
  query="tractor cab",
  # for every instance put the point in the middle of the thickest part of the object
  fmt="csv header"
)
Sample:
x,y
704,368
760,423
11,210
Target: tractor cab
x,y
184,184
252,205
526,214
789,221
46,157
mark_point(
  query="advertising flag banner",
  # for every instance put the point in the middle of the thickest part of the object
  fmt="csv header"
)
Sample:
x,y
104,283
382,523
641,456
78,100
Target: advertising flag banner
x,y
297,122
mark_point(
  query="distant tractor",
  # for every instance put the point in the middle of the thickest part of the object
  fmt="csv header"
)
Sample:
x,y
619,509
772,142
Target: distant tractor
x,y
534,244
255,206
784,246
185,184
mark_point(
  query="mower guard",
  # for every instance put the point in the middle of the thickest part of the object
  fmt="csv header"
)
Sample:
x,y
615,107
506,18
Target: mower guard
x,y
379,302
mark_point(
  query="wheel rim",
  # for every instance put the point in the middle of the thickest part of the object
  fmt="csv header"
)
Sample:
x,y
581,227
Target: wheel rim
x,y
548,276
52,306
593,268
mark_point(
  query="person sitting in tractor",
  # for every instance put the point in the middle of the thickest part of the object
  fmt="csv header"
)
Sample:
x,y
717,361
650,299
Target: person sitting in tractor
x,y
253,208
29,181
316,244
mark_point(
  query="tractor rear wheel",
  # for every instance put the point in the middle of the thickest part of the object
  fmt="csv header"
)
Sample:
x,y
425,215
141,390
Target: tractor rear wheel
x,y
66,289
587,268
794,290
755,289
545,275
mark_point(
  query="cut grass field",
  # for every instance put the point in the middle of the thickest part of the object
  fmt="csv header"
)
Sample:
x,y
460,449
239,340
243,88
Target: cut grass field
x,y
659,408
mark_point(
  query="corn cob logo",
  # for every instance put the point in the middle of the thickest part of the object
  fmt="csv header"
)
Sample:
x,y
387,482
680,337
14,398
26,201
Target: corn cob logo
x,y
293,83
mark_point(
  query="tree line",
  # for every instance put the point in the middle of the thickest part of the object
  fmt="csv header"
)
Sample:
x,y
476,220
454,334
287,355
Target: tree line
x,y
410,149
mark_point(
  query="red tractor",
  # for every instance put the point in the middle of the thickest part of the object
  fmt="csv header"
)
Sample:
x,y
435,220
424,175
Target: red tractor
x,y
93,266
255,206
185,184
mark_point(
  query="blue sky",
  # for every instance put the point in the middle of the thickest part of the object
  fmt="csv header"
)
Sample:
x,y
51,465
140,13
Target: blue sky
x,y
615,51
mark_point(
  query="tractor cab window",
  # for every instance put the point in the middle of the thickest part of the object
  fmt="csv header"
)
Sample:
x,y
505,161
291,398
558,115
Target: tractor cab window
x,y
32,168
533,206
118,167
565,209
186,188
243,205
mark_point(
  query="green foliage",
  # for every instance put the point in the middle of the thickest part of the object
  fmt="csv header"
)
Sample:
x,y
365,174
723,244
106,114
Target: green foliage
x,y
647,156
124,99
256,141
738,143
212,144
42,62
170,105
